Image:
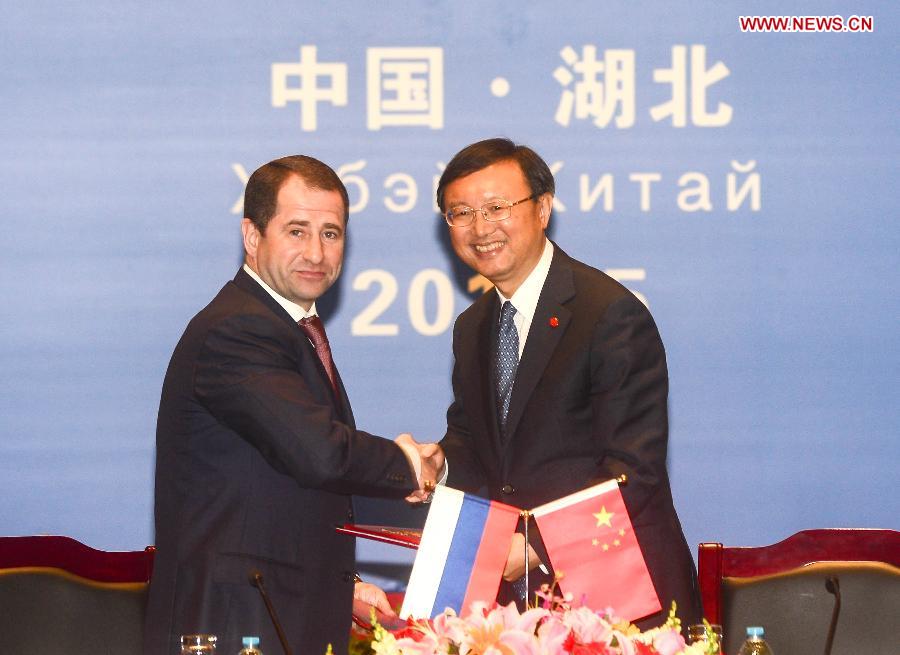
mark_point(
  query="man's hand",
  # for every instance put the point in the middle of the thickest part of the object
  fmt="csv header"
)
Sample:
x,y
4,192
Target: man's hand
x,y
515,560
365,597
432,463
411,449
428,462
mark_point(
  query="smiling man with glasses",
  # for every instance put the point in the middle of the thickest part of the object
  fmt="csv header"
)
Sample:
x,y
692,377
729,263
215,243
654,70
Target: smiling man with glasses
x,y
559,378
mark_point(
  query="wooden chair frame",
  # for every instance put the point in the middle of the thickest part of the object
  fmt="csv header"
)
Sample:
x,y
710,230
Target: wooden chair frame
x,y
716,561
73,556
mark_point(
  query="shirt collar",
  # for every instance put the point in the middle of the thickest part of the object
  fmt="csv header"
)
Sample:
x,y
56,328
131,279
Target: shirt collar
x,y
292,308
526,297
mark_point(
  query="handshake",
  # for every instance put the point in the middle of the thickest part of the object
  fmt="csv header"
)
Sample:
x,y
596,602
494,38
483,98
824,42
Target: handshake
x,y
427,460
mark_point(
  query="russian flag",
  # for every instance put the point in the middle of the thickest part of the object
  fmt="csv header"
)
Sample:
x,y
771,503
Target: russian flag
x,y
461,556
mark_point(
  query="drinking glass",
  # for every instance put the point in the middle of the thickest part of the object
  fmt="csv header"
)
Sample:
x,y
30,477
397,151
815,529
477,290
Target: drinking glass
x,y
198,644
697,634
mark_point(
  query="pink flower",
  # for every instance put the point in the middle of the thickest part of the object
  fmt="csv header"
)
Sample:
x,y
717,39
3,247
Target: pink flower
x,y
423,637
442,623
424,644
668,642
489,629
588,626
496,630
626,645
554,635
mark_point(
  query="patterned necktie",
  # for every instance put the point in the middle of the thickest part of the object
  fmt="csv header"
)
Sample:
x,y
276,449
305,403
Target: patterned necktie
x,y
312,327
507,360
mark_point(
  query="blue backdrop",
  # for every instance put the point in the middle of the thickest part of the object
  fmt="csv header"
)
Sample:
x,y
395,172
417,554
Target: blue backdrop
x,y
740,182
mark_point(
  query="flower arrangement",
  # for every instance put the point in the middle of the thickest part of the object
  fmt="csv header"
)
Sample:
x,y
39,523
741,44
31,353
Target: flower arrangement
x,y
554,628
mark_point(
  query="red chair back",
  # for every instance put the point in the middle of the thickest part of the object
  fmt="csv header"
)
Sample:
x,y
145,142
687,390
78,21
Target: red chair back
x,y
60,597
783,585
73,556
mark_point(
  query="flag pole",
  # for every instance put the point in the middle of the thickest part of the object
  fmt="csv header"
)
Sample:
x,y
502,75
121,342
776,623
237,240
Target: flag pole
x,y
526,515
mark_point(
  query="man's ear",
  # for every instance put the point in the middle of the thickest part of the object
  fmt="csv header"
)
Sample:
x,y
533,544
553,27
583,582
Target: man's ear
x,y
251,236
545,202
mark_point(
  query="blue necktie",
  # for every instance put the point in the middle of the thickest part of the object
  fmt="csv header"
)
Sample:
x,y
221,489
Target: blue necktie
x,y
507,360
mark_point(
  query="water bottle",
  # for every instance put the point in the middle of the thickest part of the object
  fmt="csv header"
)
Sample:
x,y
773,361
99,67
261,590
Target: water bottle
x,y
755,644
250,646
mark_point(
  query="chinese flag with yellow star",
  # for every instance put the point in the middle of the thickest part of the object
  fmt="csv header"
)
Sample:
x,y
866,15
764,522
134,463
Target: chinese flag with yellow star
x,y
590,541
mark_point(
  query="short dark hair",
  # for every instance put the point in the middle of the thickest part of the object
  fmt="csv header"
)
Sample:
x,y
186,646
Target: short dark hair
x,y
482,154
261,194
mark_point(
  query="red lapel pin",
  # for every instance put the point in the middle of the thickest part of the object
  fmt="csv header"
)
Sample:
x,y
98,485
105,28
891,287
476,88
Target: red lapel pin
x,y
554,322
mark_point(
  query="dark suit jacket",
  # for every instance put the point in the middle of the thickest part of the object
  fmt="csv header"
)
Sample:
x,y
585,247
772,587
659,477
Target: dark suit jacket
x,y
588,404
255,462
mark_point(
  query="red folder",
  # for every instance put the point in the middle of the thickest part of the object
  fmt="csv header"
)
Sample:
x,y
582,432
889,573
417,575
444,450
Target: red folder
x,y
406,537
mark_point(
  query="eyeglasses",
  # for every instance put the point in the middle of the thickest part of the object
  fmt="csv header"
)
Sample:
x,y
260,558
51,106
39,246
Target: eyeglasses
x,y
493,211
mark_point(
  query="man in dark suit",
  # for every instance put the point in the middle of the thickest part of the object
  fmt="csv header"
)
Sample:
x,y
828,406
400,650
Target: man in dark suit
x,y
257,451
560,377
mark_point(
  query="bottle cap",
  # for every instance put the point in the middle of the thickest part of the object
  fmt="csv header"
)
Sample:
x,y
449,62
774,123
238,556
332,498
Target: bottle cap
x,y
250,642
755,631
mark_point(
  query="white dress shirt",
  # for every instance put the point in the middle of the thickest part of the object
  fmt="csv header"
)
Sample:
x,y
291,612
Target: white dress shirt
x,y
292,308
525,298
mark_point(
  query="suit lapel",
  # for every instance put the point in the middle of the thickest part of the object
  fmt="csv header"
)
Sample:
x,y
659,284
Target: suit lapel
x,y
478,352
252,287
342,402
543,337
